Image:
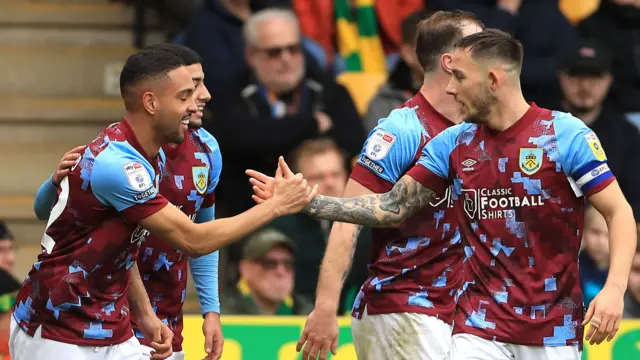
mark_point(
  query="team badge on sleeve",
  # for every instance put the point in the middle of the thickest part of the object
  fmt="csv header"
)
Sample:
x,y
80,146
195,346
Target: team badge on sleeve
x,y
137,175
530,160
379,144
200,178
596,148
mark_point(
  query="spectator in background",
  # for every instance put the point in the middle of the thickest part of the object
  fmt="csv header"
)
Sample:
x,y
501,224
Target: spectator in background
x,y
585,79
594,255
266,279
617,24
321,162
404,81
319,19
541,27
215,33
8,289
632,297
7,252
281,103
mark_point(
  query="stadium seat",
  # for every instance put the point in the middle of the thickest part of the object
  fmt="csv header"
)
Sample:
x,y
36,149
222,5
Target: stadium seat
x,y
362,87
576,10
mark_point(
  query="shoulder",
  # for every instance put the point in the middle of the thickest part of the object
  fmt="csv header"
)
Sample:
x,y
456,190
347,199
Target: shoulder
x,y
401,122
119,161
207,139
567,125
458,134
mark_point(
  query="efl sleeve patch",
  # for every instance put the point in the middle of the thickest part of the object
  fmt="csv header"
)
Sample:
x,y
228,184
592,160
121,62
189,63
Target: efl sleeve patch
x,y
595,146
137,176
379,144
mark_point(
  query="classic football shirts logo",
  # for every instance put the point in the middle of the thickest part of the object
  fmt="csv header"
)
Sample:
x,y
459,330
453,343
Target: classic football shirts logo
x,y
483,203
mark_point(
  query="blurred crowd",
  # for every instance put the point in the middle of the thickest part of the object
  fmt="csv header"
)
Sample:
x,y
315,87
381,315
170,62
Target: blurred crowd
x,y
278,73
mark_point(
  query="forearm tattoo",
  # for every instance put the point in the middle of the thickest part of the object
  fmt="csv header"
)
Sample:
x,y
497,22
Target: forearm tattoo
x,y
380,210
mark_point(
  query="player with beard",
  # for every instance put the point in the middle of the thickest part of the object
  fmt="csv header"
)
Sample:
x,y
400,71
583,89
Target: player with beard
x,y
413,268
190,166
520,175
78,297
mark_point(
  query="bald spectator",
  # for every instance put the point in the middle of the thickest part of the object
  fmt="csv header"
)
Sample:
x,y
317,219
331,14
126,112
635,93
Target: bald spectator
x,y
281,103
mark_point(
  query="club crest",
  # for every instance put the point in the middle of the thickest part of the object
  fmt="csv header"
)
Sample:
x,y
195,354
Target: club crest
x,y
530,160
200,178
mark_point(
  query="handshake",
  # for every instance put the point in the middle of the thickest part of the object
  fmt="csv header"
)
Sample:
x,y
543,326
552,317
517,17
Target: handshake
x,y
288,193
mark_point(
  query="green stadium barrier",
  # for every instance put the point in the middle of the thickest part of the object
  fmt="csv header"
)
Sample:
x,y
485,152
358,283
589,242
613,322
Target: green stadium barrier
x,y
275,338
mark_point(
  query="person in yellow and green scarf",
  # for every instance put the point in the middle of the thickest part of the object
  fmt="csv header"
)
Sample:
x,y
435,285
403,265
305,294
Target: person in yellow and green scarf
x,y
361,32
266,278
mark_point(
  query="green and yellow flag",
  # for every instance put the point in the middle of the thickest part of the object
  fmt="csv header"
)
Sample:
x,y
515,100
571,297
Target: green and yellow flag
x,y
357,36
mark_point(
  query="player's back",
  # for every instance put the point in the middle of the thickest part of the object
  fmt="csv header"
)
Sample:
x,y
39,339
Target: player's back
x,y
413,267
191,173
521,209
77,288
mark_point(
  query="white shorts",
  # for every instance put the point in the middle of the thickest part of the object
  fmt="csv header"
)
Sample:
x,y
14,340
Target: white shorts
x,y
24,347
471,347
146,354
401,336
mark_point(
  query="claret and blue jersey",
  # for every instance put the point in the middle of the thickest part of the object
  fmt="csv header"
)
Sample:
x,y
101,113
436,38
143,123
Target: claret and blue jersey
x,y
519,195
414,267
77,289
189,178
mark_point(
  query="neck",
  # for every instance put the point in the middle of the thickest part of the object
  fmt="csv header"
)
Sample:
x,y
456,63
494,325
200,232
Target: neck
x,y
142,129
432,89
239,8
587,116
508,110
265,305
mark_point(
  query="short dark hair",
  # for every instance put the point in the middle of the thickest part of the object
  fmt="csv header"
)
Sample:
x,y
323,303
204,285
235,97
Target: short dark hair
x,y
438,33
495,45
148,64
409,26
188,55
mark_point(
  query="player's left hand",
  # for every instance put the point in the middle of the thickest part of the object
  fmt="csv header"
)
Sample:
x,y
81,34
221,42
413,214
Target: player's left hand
x,y
263,186
604,315
158,334
213,340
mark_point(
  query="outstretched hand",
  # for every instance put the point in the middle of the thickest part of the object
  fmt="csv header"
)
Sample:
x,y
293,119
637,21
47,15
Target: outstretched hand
x,y
289,190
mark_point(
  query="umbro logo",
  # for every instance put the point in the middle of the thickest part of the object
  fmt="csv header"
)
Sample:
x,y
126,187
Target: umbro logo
x,y
468,165
469,162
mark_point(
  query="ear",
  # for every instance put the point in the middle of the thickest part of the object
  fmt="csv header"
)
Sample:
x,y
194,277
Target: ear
x,y
609,79
248,54
150,102
445,62
494,80
243,268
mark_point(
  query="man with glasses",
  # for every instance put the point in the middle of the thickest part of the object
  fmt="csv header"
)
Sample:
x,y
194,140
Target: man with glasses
x,y
266,278
276,106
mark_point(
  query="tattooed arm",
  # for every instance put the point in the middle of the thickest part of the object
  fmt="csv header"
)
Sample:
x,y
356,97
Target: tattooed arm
x,y
380,210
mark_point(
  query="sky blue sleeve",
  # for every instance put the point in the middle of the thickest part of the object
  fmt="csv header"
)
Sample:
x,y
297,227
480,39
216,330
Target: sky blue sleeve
x,y
204,271
45,198
582,157
392,146
121,177
215,158
435,155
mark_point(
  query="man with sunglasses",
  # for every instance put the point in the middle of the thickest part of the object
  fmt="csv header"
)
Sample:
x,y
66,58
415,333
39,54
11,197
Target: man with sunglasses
x,y
281,102
266,278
